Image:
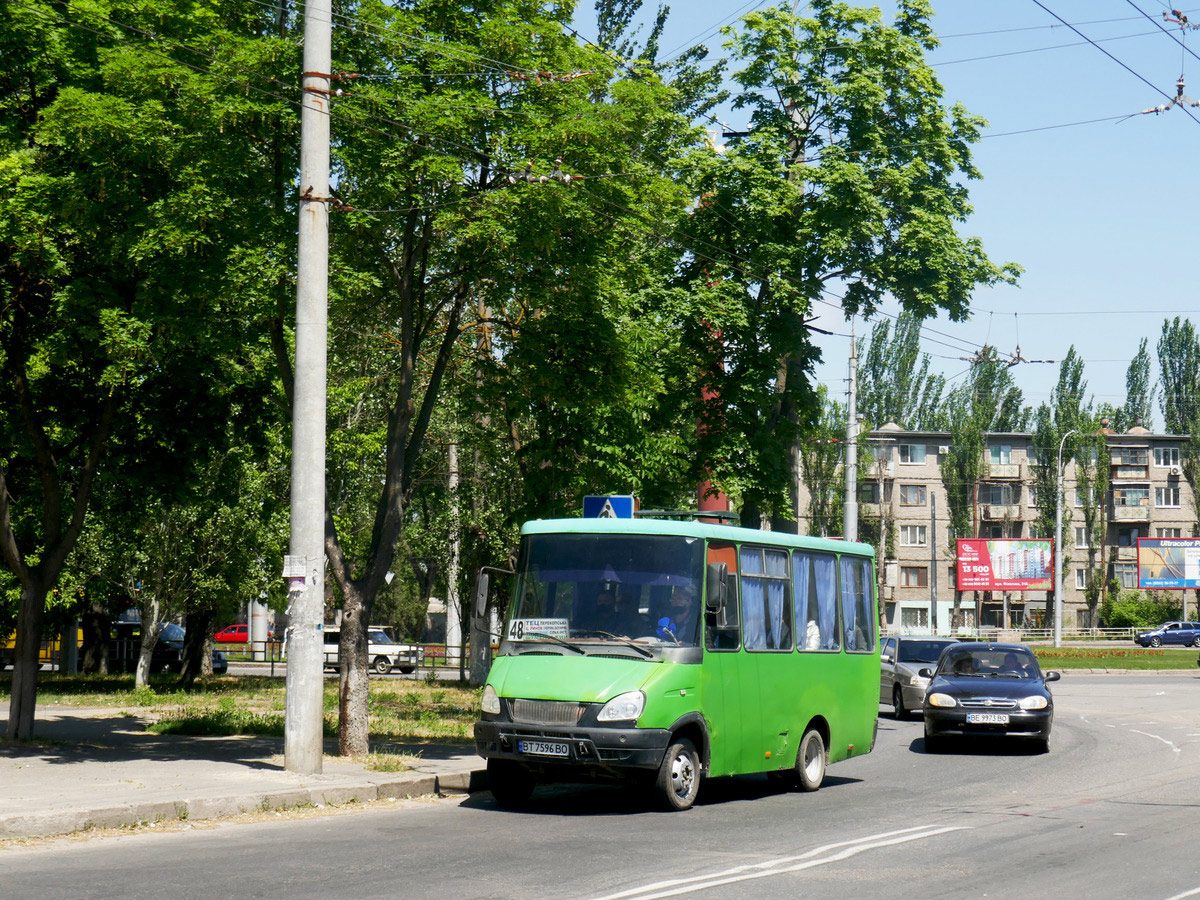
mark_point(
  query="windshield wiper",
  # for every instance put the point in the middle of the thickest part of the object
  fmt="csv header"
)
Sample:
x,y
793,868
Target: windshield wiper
x,y
624,640
557,640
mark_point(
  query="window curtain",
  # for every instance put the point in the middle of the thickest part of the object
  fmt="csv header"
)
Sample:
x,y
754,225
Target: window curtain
x,y
825,573
754,626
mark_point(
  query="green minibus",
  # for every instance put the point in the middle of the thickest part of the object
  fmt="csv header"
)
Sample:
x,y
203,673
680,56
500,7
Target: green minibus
x,y
664,650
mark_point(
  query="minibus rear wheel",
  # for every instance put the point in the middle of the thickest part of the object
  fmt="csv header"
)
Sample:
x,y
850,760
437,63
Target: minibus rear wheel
x,y
510,783
678,780
810,760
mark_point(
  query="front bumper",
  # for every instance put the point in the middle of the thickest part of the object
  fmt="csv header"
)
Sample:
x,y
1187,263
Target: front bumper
x,y
1021,723
590,749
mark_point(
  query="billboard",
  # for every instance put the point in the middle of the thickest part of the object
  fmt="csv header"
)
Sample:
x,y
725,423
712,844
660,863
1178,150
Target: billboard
x,y
1168,563
1004,565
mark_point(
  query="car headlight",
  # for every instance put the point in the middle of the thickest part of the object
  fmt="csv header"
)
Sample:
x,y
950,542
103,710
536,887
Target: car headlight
x,y
942,700
1035,702
622,707
491,701
918,682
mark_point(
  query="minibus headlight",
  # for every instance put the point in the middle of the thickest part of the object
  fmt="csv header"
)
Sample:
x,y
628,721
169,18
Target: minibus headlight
x,y
491,701
1037,701
942,700
623,707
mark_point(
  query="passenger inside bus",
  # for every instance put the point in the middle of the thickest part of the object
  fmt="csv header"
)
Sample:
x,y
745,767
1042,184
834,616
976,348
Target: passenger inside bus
x,y
678,621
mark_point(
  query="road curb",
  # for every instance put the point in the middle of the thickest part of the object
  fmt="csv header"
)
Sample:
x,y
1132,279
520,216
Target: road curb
x,y
59,822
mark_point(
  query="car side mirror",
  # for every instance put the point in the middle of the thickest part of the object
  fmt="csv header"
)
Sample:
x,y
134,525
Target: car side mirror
x,y
885,657
1053,676
481,593
926,672
716,587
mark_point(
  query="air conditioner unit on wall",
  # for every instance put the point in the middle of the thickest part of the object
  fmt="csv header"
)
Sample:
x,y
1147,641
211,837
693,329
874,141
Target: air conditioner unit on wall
x,y
1175,470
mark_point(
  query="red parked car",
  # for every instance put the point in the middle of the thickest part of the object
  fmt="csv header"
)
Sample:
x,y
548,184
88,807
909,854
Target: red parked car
x,y
234,634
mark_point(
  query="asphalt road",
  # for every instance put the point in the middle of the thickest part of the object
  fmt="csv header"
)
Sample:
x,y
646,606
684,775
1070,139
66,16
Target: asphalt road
x,y
1111,812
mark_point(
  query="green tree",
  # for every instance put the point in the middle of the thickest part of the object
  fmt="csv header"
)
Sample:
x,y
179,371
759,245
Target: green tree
x,y
133,166
1179,365
850,178
821,452
894,381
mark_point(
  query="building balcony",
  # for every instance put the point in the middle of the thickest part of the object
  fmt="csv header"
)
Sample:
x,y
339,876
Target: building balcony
x,y
1008,471
1132,473
1127,554
997,512
1131,513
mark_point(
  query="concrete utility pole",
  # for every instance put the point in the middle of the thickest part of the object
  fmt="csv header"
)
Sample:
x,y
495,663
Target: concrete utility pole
x,y
304,713
1058,491
850,515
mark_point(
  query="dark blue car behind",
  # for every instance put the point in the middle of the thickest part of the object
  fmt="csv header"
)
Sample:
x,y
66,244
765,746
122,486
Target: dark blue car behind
x,y
1179,634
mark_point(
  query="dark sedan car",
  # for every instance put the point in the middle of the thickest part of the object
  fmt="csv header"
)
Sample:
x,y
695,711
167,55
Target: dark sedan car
x,y
167,655
983,688
1181,634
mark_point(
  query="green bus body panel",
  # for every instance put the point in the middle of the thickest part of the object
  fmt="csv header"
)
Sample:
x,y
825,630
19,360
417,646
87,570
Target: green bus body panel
x,y
756,704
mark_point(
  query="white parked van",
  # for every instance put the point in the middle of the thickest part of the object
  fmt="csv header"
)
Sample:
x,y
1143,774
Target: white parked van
x,y
384,653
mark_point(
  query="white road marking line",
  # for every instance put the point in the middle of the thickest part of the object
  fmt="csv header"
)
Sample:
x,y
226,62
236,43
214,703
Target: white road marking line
x,y
1157,738
750,871
1192,893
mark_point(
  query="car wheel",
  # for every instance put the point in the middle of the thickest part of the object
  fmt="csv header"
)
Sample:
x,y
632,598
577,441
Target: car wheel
x,y
1156,641
678,780
1041,745
510,783
934,743
407,670
810,760
898,703
382,665
1196,641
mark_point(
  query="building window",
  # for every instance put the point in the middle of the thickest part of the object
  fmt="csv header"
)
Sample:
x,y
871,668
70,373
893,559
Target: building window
x,y
914,576
1000,494
868,492
912,453
913,535
1128,536
1126,573
1080,579
1168,532
1083,537
1000,454
912,495
1131,496
1084,496
914,617
1131,456
1166,456
1166,496
1034,531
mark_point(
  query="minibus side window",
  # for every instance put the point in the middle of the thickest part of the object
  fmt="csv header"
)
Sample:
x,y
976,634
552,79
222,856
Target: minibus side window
x,y
721,631
814,579
766,598
857,605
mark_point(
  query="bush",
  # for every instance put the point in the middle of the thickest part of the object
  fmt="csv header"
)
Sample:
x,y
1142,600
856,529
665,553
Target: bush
x,y
1137,609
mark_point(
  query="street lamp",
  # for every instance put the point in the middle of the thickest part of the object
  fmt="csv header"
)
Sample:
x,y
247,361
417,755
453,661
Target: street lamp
x,y
1058,495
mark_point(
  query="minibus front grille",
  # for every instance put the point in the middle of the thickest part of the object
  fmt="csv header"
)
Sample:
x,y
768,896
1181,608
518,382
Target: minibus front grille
x,y
546,712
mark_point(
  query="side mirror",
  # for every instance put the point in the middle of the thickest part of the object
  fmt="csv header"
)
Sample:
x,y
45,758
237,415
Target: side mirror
x,y
885,657
481,593
1053,676
926,672
716,587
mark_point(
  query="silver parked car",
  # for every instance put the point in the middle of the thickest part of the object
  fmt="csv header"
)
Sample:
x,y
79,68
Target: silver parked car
x,y
900,659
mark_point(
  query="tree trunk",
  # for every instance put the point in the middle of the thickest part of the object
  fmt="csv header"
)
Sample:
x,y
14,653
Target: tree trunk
x,y
97,627
197,648
354,688
26,661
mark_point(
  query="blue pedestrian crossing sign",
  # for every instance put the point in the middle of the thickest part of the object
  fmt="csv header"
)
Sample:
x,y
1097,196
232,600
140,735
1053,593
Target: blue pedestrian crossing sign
x,y
611,507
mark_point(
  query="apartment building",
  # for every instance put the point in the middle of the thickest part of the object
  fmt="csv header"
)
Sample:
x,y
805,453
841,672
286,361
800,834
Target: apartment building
x,y
902,491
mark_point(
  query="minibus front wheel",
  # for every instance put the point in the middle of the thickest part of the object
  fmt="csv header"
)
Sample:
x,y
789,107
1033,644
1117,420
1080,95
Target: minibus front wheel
x,y
510,783
678,780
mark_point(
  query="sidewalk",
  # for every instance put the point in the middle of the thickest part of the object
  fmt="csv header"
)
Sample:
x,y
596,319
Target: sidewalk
x,y
98,768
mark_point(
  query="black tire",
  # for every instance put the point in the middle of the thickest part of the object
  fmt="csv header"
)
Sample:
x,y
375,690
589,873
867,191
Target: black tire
x,y
1041,745
407,670
934,743
678,781
898,703
1156,641
382,665
811,760
1196,641
510,783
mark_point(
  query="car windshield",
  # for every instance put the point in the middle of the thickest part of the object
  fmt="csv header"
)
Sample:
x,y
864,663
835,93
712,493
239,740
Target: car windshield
x,y
920,651
378,637
584,589
171,632
998,662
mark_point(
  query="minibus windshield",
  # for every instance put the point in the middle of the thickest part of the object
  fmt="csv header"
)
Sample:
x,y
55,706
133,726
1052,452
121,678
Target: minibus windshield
x,y
597,588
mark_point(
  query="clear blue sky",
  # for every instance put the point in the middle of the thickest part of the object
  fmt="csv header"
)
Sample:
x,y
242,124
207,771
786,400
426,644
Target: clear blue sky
x,y
1102,216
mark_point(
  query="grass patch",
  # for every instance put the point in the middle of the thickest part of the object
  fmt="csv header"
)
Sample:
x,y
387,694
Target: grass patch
x,y
1133,658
